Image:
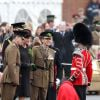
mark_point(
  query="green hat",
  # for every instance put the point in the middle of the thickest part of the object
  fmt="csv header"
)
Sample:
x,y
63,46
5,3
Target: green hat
x,y
50,18
46,34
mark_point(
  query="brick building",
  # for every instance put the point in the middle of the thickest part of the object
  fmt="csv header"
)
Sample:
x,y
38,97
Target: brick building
x,y
70,7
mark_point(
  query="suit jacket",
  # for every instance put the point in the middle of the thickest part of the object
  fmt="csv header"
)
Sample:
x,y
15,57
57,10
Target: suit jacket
x,y
64,44
12,63
40,77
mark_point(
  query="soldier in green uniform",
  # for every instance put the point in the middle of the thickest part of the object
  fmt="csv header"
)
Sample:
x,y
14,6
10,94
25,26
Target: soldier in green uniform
x,y
43,59
96,36
15,26
96,32
10,78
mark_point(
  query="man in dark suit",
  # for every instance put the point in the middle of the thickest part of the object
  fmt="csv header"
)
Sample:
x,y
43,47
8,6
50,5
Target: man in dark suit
x,y
63,41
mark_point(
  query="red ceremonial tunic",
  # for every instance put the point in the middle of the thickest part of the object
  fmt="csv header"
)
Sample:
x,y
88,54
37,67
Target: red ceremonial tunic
x,y
81,67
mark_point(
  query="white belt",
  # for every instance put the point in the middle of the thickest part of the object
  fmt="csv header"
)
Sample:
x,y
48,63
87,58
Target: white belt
x,y
66,64
74,68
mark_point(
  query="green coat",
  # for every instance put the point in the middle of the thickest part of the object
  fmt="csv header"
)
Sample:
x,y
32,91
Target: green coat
x,y
40,77
11,62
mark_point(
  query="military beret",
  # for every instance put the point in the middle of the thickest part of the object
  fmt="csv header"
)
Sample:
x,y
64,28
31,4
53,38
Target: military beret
x,y
23,33
18,26
46,34
50,17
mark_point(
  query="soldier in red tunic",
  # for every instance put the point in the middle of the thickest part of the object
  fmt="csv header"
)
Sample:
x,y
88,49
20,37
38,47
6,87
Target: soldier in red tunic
x,y
81,70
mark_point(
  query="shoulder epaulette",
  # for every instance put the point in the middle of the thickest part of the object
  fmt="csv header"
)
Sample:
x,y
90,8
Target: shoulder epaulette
x,y
77,51
52,50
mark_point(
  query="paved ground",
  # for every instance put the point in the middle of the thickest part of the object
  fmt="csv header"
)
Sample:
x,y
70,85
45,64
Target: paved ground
x,y
93,97
89,97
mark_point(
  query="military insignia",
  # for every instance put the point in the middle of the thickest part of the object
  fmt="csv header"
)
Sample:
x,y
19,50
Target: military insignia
x,y
77,52
49,34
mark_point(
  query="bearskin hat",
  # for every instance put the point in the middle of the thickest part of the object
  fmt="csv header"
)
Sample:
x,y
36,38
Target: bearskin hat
x,y
82,34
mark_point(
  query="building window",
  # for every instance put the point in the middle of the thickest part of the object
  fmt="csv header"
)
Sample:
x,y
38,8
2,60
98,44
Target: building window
x,y
23,16
42,17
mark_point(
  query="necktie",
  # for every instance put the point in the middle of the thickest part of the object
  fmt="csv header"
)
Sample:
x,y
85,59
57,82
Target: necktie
x,y
62,33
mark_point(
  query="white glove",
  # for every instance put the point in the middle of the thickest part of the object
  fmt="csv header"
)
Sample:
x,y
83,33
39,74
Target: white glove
x,y
57,82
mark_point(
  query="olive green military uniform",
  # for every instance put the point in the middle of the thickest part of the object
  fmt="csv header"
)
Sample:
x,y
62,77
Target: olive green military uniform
x,y
10,78
43,58
96,37
96,32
